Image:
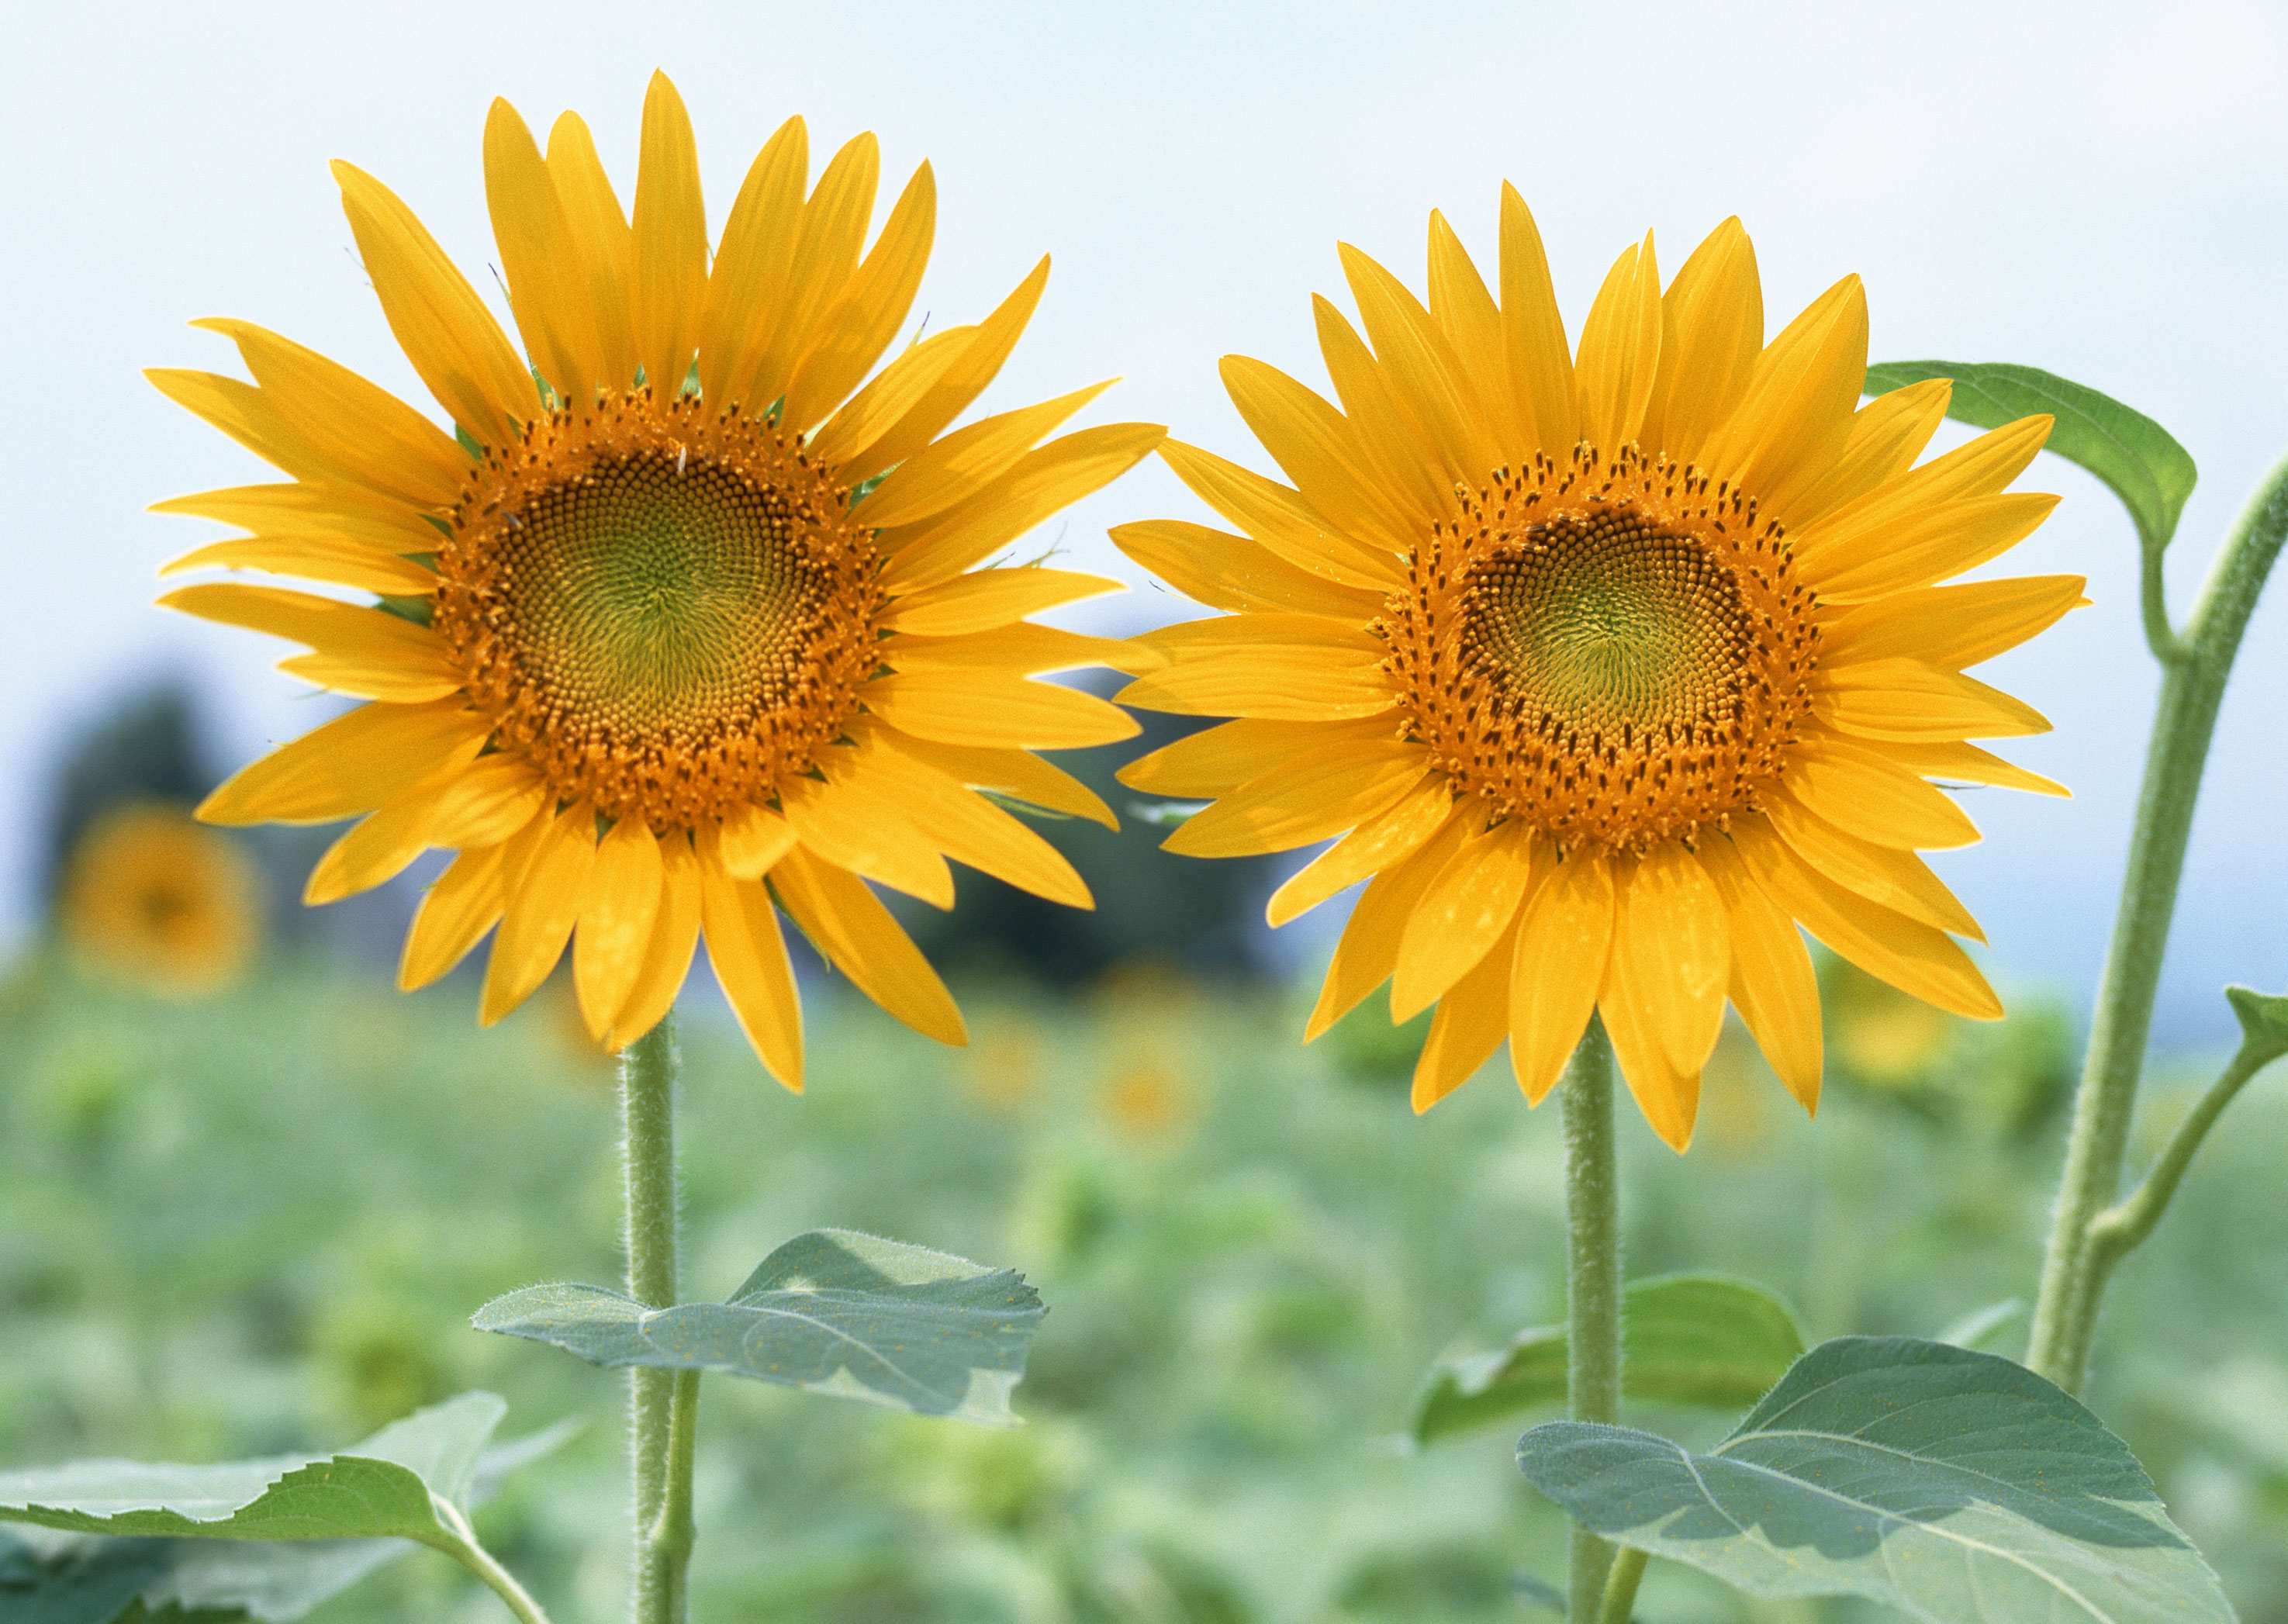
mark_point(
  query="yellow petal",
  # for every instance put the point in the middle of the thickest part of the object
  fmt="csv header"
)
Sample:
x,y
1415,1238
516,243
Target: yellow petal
x,y
1969,763
750,959
855,932
870,310
1951,627
1466,313
1314,796
1040,484
751,840
674,940
1472,1019
1898,880
313,558
1912,957
364,638
615,929
315,510
1283,521
350,764
994,710
981,354
1315,447
826,244
1533,334
445,330
1291,681
1620,351
601,242
548,288
1711,331
1863,791
1023,649
1926,545
1218,759
1467,906
1669,1097
1412,472
547,884
1982,468
964,462
1906,701
988,597
967,827
1773,985
1564,944
482,806
1672,955
668,283
1887,435
746,288
379,848
1379,843
1013,773
1231,572
464,903
868,834
357,432
1367,951
845,441
1797,412
1425,374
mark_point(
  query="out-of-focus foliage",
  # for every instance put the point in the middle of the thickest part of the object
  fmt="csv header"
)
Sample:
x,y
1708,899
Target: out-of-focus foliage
x,y
260,1224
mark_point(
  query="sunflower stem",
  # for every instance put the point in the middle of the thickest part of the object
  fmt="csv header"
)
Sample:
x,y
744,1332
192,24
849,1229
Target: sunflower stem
x,y
1621,1590
1593,1284
2184,724
663,1405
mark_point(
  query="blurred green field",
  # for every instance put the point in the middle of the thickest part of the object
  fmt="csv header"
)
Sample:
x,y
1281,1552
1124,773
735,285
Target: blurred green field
x,y
261,1224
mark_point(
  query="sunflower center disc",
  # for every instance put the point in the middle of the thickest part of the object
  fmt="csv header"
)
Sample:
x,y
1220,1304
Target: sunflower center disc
x,y
1615,651
666,613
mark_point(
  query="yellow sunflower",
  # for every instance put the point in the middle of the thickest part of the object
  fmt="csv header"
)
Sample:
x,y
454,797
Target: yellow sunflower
x,y
681,626
152,900
1609,670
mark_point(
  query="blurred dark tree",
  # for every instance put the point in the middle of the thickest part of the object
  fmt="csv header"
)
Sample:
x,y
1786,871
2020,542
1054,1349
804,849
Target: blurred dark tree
x,y
146,746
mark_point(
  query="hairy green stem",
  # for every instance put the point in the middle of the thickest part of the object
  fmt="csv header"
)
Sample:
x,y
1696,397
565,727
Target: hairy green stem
x,y
1593,1283
2184,723
660,1450
2153,600
1621,1589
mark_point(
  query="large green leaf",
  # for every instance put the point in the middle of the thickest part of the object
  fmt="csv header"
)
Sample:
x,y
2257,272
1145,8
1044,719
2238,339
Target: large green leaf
x,y
48,1577
833,1311
1957,1486
1687,1339
2139,459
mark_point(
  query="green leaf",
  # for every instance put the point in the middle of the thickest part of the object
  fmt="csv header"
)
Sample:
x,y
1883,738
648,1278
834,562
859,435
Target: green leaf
x,y
1687,1339
2136,457
50,1577
833,1311
2263,1018
1955,1485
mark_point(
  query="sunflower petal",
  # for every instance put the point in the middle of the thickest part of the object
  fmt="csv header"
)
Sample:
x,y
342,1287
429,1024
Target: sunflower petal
x,y
979,360
1711,331
1010,772
750,959
871,309
349,766
1951,627
312,558
1283,521
746,287
1620,351
967,827
547,885
963,464
1906,701
1863,792
1379,843
615,928
843,823
751,840
857,936
1419,364
1232,573
548,290
1314,796
1948,760
674,940
601,242
1564,946
464,903
1469,905
1368,951
995,710
1409,469
1887,435
1472,1022
1772,983
827,241
1797,413
667,287
379,849
986,598
1898,880
1533,334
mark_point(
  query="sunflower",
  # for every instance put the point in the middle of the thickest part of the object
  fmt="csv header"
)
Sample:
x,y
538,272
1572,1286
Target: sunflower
x,y
1611,671
676,622
152,900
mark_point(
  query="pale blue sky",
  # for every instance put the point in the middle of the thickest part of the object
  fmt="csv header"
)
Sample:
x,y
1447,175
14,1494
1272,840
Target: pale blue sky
x,y
2099,190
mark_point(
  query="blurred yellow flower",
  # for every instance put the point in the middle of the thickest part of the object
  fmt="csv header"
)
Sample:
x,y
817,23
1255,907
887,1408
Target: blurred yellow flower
x,y
1149,1100
154,900
1002,1067
684,606
1610,669
1882,1037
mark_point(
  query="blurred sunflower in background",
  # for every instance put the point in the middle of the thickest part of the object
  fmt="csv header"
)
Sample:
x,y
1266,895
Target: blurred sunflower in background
x,y
154,900
687,624
1610,669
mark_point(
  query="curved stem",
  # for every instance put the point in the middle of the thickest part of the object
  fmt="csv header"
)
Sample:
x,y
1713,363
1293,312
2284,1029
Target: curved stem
x,y
1621,1589
2184,723
1593,1283
660,1462
2153,598
473,1556
2119,1230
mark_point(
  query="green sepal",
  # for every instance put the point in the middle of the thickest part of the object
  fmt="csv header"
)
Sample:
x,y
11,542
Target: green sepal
x,y
2139,461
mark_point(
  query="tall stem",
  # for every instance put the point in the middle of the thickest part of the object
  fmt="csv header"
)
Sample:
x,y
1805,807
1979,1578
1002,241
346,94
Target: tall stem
x,y
1593,1284
660,1450
2184,723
